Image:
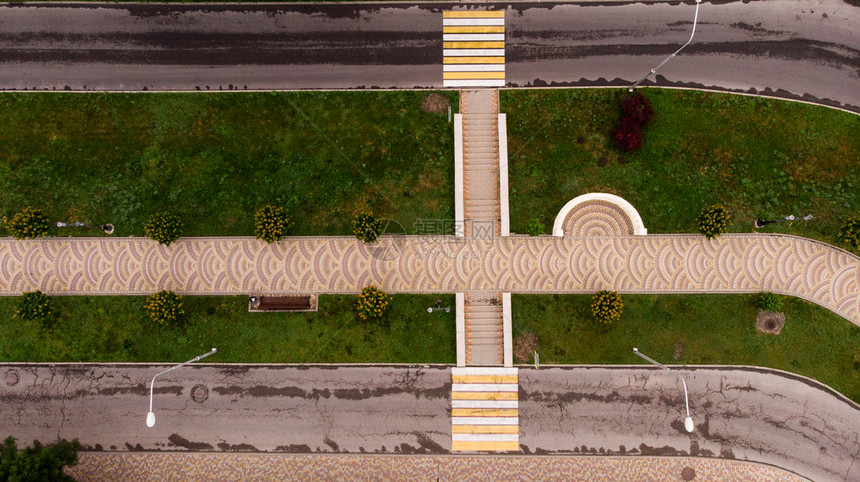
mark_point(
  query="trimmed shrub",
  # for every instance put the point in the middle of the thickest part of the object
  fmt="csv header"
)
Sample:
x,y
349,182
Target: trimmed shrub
x,y
34,305
164,307
366,227
627,135
535,227
164,228
39,462
271,223
638,108
850,232
713,221
606,306
372,303
29,223
769,301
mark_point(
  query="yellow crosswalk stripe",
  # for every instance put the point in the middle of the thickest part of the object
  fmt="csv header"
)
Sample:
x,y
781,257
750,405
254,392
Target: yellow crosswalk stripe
x,y
484,396
468,14
473,60
473,45
473,29
485,429
484,412
473,75
485,446
484,378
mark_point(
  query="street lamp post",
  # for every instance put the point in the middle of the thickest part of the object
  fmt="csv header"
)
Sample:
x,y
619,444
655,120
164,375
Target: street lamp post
x,y
150,417
760,223
654,70
107,228
688,422
439,307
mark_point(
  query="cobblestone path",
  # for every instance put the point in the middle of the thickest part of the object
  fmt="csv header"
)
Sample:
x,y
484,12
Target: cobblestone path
x,y
736,263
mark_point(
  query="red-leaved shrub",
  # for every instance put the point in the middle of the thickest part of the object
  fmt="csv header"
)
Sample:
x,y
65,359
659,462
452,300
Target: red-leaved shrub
x,y
627,135
638,108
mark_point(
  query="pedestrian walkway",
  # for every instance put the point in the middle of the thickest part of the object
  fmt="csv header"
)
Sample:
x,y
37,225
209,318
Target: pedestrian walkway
x,y
484,410
480,111
681,263
484,328
473,49
97,467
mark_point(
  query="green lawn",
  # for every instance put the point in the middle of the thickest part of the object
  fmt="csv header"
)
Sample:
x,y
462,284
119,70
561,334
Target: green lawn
x,y
213,159
117,329
713,329
761,158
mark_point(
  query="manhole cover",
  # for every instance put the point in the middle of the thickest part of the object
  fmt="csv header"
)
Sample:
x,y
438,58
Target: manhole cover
x,y
688,473
199,393
11,378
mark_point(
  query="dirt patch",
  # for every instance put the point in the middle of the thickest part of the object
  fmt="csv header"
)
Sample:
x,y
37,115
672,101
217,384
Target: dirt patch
x,y
770,322
435,103
524,346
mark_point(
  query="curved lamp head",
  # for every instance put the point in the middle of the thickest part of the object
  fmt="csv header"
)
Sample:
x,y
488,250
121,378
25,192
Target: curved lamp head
x,y
150,420
688,423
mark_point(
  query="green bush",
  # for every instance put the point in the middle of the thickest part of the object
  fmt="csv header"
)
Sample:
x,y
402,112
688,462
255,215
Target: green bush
x,y
366,227
164,228
850,232
372,303
714,221
34,305
606,306
29,223
271,223
535,227
38,462
769,302
164,307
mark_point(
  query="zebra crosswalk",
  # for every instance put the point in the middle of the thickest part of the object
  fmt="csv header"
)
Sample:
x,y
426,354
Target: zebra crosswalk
x,y
484,409
473,49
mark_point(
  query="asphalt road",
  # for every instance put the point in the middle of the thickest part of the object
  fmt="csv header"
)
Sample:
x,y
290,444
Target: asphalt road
x,y
790,48
743,413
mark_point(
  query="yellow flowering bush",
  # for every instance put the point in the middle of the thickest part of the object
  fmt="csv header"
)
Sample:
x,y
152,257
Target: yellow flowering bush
x,y
164,307
29,223
606,306
372,303
366,227
714,221
271,223
850,232
164,228
34,305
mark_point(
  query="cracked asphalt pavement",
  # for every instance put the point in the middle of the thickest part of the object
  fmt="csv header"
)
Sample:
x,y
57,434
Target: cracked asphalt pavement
x,y
742,413
801,49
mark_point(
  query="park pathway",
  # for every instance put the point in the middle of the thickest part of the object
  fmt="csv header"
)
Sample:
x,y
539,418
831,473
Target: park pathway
x,y
685,263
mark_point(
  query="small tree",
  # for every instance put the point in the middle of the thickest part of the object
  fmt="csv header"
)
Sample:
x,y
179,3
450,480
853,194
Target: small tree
x,y
627,135
29,223
713,221
606,306
271,223
769,302
164,228
366,227
34,305
372,303
38,462
164,307
535,227
850,232
637,108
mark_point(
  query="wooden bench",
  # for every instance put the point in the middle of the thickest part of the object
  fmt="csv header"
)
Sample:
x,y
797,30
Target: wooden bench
x,y
295,303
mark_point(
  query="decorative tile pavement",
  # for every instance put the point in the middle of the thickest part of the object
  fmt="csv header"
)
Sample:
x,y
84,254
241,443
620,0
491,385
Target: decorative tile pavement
x,y
132,467
732,263
484,409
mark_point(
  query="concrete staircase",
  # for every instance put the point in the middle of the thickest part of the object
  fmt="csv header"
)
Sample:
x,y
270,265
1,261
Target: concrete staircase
x,y
484,330
480,109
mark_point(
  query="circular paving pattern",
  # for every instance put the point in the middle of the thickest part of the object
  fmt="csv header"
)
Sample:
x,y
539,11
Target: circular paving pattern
x,y
597,218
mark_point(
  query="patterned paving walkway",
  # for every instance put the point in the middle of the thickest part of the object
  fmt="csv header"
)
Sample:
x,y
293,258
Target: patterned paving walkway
x,y
202,466
735,263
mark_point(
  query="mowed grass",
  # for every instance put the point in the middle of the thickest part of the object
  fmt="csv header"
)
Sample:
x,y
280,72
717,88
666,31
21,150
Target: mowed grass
x,y
712,329
213,159
117,329
761,158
